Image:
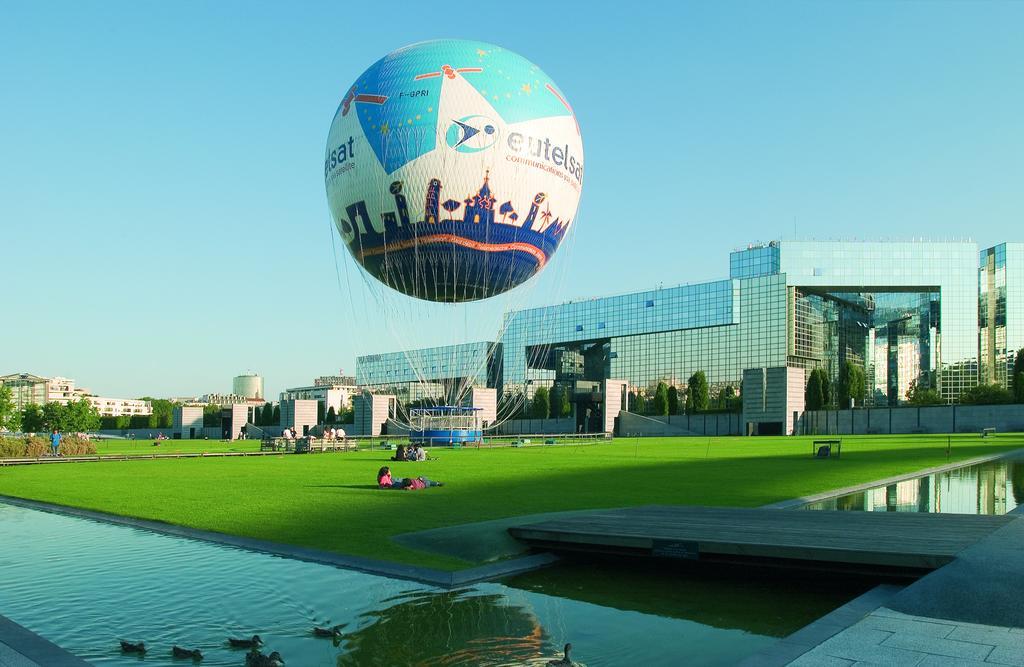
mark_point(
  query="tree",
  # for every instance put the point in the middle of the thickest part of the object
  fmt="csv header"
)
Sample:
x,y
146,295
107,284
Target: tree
x,y
321,412
541,404
1018,377
640,405
55,416
673,400
212,415
852,382
276,418
827,395
814,398
561,406
10,418
729,400
921,396
986,394
661,400
32,418
81,417
267,415
163,411
697,392
331,416
347,416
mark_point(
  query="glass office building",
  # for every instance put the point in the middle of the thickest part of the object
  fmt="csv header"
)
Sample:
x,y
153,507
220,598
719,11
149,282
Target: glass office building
x,y
1000,312
437,375
906,312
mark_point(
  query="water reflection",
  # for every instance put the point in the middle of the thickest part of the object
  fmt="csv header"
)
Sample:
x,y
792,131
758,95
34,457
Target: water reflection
x,y
463,627
85,585
994,488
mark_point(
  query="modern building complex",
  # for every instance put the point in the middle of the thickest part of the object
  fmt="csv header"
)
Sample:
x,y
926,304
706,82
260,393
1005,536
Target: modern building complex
x,y
435,374
906,312
27,388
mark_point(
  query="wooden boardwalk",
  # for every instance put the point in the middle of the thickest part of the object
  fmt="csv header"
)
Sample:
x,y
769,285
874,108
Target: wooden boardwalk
x,y
873,539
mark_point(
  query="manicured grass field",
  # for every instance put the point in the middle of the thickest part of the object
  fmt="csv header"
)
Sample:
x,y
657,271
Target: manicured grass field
x,y
330,501
144,447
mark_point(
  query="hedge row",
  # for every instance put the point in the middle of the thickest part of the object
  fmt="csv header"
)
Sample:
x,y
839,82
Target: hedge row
x,y
35,446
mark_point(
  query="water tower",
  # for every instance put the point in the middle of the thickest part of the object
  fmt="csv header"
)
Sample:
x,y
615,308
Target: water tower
x,y
249,385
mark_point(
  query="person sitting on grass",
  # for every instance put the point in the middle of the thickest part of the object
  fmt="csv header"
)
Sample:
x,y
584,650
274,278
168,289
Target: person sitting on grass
x,y
385,481
400,454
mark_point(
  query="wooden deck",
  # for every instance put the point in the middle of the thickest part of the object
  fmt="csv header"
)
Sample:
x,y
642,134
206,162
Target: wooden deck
x,y
874,539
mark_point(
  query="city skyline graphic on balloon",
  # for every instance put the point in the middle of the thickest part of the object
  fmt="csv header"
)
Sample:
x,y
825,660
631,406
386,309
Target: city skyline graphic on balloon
x,y
453,170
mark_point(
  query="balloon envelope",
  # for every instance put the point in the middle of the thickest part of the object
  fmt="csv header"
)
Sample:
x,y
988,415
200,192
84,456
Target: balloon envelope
x,y
453,170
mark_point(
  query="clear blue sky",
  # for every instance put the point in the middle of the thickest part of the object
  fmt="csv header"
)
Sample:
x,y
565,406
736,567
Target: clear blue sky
x,y
161,175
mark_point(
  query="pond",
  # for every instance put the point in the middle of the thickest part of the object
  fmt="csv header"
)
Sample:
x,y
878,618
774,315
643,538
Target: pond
x,y
85,584
995,487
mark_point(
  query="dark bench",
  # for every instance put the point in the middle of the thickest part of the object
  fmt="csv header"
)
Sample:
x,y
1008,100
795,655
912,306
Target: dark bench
x,y
823,449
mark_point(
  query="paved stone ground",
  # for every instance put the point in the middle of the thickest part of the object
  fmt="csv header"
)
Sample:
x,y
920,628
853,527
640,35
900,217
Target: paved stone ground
x,y
981,586
887,637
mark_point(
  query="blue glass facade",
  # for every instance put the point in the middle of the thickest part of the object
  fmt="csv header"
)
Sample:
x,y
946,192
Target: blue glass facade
x,y
907,312
755,261
436,373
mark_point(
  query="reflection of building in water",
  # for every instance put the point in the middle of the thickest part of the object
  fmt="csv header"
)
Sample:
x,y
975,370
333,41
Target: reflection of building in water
x,y
982,489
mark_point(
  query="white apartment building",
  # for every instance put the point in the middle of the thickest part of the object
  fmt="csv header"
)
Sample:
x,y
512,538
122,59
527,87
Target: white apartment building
x,y
27,388
117,407
337,396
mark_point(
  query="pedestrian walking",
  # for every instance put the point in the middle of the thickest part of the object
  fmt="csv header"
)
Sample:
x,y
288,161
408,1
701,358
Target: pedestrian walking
x,y
55,442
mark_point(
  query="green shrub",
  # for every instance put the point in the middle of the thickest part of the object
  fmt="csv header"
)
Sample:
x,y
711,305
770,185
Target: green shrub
x,y
36,446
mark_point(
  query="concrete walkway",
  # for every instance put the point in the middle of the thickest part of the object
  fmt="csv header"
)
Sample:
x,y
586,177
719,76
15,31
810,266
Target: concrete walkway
x,y
20,647
983,584
887,637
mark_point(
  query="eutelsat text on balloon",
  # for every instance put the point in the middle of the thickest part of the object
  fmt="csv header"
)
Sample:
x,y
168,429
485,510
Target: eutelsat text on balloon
x,y
453,170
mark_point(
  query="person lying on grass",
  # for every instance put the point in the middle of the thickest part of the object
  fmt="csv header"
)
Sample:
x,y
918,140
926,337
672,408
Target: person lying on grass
x,y
385,481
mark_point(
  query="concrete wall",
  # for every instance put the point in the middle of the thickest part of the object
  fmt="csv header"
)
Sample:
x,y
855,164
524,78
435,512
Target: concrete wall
x,y
186,420
772,396
934,419
487,400
614,402
711,424
537,426
299,414
371,413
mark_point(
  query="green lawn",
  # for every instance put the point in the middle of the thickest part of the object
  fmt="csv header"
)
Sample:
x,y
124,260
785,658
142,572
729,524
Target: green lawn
x,y
330,501
146,447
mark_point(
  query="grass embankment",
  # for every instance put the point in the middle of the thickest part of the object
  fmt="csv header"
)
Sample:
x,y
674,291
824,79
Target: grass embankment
x,y
330,501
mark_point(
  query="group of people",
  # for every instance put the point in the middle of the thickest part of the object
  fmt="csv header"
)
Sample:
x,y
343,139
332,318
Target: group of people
x,y
330,434
385,481
410,453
